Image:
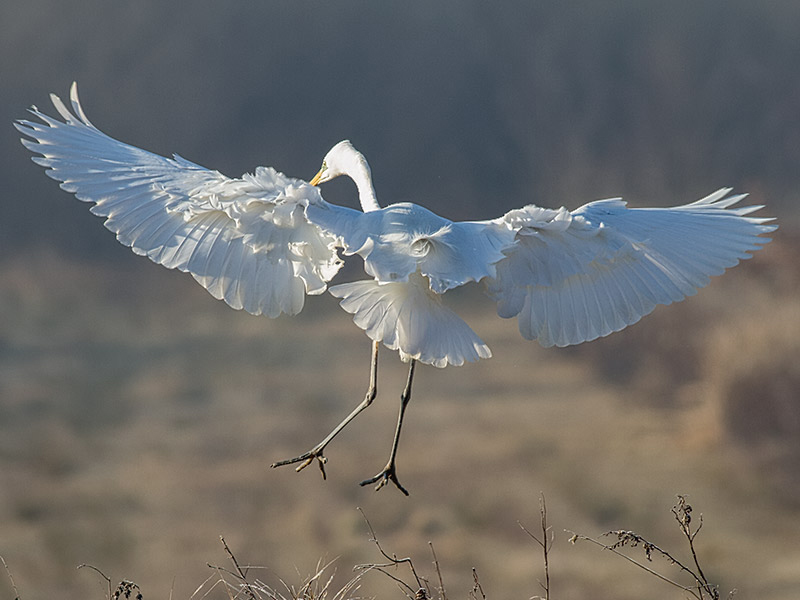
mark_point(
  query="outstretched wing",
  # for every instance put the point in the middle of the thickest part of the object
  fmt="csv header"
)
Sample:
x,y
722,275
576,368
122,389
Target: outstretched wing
x,y
573,277
247,241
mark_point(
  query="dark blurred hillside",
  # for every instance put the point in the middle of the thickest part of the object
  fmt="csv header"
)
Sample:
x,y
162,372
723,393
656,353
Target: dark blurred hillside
x,y
468,107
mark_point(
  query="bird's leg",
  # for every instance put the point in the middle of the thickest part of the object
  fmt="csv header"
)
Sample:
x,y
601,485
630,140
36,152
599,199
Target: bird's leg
x,y
317,451
389,472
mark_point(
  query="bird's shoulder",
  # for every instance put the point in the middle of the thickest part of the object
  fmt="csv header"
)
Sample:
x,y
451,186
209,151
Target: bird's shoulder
x,y
410,213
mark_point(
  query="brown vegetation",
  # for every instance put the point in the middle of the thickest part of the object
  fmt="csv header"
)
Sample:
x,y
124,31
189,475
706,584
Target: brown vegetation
x,y
139,418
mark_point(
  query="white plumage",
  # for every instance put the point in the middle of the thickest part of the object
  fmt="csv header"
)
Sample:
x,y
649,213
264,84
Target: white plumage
x,y
574,277
409,317
265,240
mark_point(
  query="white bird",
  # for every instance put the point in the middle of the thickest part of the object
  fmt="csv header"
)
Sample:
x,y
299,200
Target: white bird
x,y
265,240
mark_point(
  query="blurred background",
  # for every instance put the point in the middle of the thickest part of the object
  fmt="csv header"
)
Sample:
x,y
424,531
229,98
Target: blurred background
x,y
139,416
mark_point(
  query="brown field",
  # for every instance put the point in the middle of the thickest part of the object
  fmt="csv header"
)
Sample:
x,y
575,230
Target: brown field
x,y
139,417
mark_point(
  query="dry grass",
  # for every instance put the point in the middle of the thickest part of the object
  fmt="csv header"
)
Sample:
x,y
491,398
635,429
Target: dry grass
x,y
239,584
238,581
140,416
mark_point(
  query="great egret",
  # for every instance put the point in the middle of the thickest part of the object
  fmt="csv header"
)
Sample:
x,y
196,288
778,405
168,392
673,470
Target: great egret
x,y
263,241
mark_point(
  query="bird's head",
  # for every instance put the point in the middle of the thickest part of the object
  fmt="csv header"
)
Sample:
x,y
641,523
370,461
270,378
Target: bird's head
x,y
342,159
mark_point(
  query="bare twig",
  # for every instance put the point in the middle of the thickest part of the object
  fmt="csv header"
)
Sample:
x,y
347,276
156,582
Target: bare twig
x,y
10,578
242,574
393,562
476,586
546,543
442,591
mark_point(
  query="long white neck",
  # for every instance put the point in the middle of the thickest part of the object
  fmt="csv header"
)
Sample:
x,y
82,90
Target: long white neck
x,y
366,193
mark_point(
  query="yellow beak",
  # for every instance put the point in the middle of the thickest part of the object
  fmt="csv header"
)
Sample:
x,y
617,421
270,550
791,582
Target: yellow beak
x,y
316,178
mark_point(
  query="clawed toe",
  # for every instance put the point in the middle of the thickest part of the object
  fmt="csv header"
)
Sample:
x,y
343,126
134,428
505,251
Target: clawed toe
x,y
388,474
305,460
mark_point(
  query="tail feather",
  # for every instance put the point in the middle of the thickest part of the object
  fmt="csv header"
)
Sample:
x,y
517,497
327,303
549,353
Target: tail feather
x,y
408,317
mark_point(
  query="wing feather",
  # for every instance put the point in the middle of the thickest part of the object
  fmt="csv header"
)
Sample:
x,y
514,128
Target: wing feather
x,y
574,277
247,241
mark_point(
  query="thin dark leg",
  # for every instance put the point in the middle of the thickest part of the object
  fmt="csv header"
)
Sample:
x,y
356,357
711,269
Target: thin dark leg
x,y
317,451
389,472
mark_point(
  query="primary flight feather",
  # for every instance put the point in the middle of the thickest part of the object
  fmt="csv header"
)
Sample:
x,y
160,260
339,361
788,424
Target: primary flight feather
x,y
263,241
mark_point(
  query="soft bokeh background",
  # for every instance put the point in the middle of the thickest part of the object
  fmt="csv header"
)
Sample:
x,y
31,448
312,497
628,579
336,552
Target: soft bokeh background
x,y
138,416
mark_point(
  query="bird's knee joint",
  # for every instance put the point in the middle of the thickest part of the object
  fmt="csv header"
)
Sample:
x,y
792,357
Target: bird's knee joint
x,y
371,395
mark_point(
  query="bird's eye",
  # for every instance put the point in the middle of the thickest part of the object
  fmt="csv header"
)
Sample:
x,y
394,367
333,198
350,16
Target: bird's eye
x,y
324,166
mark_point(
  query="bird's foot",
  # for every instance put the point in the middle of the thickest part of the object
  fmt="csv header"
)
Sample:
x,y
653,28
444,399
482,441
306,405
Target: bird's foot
x,y
388,474
305,460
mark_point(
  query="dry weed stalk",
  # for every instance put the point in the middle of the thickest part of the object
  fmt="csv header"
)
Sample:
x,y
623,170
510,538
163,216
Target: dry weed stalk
x,y
476,593
476,587
125,589
546,543
442,592
421,590
10,578
701,588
